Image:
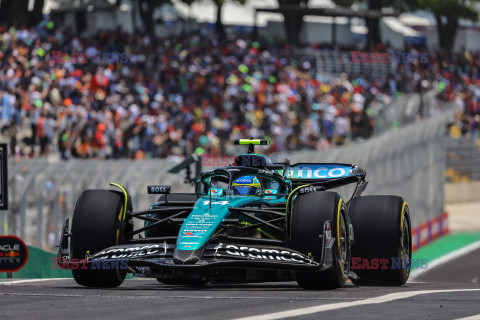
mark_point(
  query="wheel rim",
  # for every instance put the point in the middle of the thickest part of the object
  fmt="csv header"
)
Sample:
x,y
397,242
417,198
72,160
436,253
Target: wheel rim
x,y
405,246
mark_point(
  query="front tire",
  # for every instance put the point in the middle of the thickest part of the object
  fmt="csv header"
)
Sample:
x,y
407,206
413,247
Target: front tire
x,y
382,231
309,213
96,223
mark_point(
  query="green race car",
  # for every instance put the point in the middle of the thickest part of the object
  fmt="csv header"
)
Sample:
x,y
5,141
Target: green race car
x,y
252,221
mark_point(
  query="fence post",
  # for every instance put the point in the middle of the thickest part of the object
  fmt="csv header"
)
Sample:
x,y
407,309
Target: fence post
x,y
55,219
23,211
39,219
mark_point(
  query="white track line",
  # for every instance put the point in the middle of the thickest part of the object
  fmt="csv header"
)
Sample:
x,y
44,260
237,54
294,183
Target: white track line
x,y
475,317
11,283
341,305
446,258
46,295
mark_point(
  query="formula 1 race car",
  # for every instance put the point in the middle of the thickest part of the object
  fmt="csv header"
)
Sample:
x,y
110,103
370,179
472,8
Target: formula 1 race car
x,y
252,221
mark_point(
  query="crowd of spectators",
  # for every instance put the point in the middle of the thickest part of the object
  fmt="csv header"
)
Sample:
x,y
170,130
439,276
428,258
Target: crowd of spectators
x,y
195,93
465,94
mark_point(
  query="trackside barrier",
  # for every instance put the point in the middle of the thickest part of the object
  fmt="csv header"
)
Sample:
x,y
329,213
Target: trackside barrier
x,y
406,108
429,230
43,193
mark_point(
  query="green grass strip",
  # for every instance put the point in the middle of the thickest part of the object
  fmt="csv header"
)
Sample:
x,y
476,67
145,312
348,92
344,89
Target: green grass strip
x,y
39,265
445,245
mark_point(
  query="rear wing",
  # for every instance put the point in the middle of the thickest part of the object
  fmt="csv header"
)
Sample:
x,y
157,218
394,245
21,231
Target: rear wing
x,y
317,171
328,175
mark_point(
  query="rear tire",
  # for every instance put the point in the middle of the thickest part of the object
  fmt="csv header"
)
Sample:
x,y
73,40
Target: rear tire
x,y
309,214
382,230
96,225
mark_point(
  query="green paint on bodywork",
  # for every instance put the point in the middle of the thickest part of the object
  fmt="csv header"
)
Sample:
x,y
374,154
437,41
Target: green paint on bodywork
x,y
204,220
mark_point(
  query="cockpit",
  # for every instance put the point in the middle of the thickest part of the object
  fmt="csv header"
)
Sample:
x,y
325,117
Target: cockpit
x,y
224,183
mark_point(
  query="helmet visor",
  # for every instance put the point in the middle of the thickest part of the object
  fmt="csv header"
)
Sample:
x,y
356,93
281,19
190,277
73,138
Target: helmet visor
x,y
245,190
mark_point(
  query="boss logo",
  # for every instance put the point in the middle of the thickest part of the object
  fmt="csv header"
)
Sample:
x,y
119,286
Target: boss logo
x,y
154,189
308,190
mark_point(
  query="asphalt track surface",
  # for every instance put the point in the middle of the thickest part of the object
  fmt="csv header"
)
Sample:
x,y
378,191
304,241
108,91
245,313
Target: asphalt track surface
x,y
449,291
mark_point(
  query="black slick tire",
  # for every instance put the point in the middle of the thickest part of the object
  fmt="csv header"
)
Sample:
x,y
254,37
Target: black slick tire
x,y
382,248
96,225
309,213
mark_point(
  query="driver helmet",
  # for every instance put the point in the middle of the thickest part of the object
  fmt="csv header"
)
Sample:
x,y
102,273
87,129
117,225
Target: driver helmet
x,y
246,186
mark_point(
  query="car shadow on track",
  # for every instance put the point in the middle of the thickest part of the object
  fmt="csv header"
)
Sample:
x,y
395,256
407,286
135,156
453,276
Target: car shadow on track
x,y
155,286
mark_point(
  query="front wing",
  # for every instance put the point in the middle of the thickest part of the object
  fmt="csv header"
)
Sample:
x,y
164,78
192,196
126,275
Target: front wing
x,y
160,255
139,258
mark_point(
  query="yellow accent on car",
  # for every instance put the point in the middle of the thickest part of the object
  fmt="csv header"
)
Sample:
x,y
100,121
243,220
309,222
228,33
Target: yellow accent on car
x,y
117,271
126,198
255,183
338,222
252,141
401,216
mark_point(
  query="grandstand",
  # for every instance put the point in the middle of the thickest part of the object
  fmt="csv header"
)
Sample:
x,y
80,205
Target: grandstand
x,y
179,95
